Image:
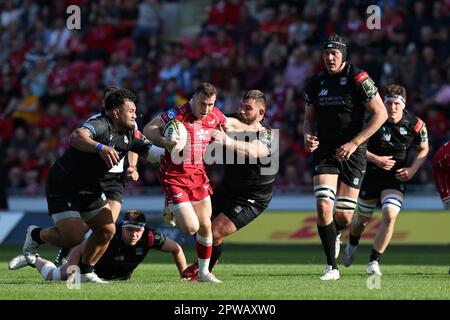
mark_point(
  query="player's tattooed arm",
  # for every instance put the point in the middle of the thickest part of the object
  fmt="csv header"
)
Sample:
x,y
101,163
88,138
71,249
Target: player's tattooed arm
x,y
309,129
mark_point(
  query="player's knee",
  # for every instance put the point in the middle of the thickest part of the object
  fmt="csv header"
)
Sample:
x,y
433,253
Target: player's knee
x,y
324,207
217,237
364,211
344,218
389,216
191,227
345,206
391,204
325,196
106,232
362,221
72,240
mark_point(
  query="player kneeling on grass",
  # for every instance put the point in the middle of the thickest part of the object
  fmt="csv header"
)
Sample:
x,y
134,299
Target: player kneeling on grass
x,y
387,174
128,248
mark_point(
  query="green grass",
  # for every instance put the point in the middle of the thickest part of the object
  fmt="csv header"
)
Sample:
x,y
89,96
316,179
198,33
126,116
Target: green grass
x,y
253,272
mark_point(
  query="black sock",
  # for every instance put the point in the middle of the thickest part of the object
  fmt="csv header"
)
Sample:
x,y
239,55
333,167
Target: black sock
x,y
339,227
354,240
328,237
85,268
35,235
375,256
215,255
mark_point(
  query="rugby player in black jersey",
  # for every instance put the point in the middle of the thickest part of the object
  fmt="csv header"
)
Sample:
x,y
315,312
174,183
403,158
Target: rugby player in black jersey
x,y
335,132
74,193
127,249
113,183
387,173
246,189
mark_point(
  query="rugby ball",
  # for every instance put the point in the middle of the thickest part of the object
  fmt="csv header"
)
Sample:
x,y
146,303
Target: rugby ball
x,y
175,128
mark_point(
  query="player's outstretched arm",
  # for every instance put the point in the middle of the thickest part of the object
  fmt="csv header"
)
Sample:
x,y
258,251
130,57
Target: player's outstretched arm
x,y
254,149
177,252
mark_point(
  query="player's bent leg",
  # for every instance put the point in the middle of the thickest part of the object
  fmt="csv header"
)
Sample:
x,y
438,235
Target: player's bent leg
x,y
222,227
68,232
115,207
185,216
324,190
391,203
103,229
204,239
363,215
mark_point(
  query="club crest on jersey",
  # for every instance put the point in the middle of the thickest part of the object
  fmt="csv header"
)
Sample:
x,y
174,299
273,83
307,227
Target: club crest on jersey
x,y
202,134
386,137
343,81
323,92
171,114
125,139
355,181
403,131
139,251
110,137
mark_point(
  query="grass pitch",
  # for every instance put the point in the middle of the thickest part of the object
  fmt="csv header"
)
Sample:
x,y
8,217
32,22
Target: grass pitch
x,y
253,272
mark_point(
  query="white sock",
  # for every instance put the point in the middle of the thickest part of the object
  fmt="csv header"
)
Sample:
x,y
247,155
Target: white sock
x,y
203,264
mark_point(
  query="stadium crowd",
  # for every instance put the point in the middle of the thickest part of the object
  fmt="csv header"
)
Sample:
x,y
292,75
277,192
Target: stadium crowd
x,y
52,78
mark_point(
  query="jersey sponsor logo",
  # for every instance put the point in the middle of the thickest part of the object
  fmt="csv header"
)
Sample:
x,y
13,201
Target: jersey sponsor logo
x,y
403,131
361,77
172,113
251,201
212,122
343,81
119,258
323,92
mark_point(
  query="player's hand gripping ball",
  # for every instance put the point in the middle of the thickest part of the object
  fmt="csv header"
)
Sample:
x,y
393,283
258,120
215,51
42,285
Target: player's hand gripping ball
x,y
176,131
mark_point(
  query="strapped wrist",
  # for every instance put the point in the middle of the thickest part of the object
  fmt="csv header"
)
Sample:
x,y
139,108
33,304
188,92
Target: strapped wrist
x,y
98,147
